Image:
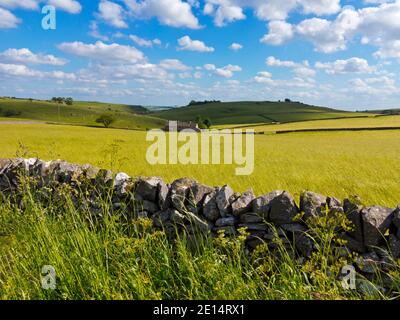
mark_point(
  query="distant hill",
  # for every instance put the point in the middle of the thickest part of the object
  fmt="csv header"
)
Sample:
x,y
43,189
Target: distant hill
x,y
80,112
250,112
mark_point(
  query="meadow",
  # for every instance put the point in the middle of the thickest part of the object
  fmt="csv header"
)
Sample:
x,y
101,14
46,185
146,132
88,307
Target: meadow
x,y
80,113
338,164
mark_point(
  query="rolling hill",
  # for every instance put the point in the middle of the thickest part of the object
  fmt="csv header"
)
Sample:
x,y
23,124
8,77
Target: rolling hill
x,y
79,113
248,112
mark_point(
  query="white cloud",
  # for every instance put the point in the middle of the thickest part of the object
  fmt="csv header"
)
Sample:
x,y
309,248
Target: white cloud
x,y
174,13
174,64
301,70
226,72
26,56
352,65
187,44
95,33
105,52
25,4
18,70
144,42
70,6
111,13
8,20
235,46
279,32
225,11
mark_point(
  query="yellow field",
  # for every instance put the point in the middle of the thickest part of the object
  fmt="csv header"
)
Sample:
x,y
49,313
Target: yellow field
x,y
369,122
333,163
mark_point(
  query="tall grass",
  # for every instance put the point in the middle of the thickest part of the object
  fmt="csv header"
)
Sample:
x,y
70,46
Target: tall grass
x,y
116,257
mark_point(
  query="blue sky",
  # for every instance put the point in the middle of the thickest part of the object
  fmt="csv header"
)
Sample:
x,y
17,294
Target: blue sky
x,y
334,53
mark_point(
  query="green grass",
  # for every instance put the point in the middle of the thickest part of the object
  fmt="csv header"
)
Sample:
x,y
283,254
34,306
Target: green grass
x,y
81,113
332,163
120,259
254,112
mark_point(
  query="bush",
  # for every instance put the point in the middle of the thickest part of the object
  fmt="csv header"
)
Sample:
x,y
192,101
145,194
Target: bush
x,y
106,120
11,113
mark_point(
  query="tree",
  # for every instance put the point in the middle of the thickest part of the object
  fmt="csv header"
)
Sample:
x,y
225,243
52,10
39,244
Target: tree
x,y
207,122
69,101
106,120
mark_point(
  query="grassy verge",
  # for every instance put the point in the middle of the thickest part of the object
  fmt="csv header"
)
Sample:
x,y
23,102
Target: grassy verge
x,y
116,257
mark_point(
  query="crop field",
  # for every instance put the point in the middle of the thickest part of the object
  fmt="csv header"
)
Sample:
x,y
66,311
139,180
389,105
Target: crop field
x,y
340,164
345,123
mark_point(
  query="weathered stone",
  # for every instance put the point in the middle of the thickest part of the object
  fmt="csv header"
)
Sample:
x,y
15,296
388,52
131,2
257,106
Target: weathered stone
x,y
283,209
224,222
312,204
179,193
251,217
160,218
147,188
149,206
353,244
67,172
394,246
196,195
90,172
142,215
222,198
210,208
368,262
396,218
376,221
294,227
255,227
261,205
163,192
196,222
227,230
332,202
243,203
177,217
121,183
352,209
304,244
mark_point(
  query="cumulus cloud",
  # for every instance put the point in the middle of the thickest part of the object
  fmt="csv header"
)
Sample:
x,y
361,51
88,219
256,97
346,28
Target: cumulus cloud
x,y
8,20
352,65
301,70
279,32
19,70
174,13
226,11
112,14
104,52
187,44
174,64
144,42
26,4
26,56
235,46
70,6
225,72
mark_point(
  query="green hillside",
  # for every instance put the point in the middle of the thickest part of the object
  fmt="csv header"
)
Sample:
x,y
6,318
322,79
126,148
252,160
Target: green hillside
x,y
254,112
80,112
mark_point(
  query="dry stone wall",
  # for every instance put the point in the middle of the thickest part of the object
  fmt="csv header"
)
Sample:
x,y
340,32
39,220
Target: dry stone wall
x,y
190,205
